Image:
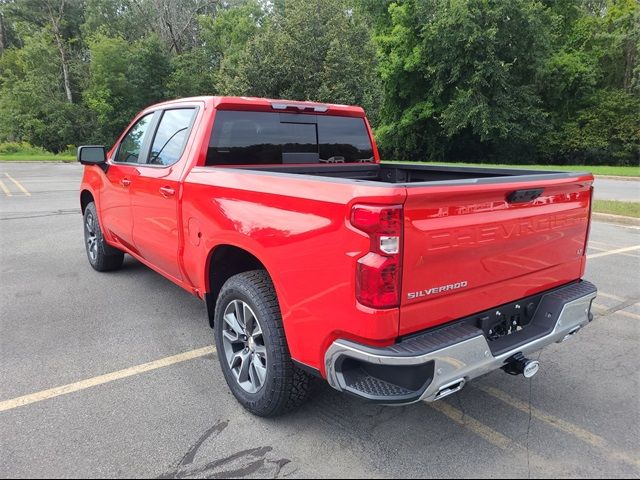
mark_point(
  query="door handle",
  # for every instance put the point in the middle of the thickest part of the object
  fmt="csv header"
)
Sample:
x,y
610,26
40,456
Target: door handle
x,y
125,182
167,192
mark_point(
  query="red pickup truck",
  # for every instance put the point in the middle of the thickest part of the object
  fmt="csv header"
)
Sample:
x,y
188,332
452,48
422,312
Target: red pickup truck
x,y
395,283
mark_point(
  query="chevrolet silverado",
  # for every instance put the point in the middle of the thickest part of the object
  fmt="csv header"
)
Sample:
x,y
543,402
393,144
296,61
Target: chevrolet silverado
x,y
394,282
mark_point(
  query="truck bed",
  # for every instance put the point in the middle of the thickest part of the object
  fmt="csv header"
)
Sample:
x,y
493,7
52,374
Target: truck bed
x,y
472,237
409,174
512,232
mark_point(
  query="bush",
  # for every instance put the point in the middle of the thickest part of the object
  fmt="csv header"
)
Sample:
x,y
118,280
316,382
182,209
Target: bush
x,y
70,151
7,148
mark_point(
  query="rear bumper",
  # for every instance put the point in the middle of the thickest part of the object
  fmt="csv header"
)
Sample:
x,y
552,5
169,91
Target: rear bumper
x,y
434,364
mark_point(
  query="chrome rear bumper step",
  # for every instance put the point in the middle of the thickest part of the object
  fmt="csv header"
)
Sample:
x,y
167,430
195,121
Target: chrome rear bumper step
x,y
439,362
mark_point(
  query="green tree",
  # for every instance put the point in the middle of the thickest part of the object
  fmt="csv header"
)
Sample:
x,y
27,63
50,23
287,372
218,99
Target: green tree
x,y
192,74
62,18
589,84
225,39
211,67
32,98
308,50
509,80
459,76
123,18
124,78
606,131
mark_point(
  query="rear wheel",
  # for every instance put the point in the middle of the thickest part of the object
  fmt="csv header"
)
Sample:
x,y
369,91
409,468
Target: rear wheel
x,y
102,257
252,347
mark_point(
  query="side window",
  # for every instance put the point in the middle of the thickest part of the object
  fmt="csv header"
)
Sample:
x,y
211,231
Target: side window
x,y
131,144
171,136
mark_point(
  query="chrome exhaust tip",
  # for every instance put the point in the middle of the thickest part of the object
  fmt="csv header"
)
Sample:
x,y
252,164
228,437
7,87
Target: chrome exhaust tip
x,y
570,334
450,388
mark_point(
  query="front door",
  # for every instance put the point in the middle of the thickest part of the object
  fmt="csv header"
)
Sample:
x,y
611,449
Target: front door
x,y
115,201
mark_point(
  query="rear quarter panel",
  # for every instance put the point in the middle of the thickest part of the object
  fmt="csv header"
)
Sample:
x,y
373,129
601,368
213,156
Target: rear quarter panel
x,y
298,227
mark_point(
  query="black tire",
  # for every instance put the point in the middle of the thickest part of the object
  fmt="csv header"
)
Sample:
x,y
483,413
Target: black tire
x,y
102,257
285,386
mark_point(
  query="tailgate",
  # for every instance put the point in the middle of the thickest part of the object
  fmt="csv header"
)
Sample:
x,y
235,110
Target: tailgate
x,y
471,247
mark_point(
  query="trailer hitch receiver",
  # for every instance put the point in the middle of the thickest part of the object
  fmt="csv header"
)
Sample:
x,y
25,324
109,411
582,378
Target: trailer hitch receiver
x,y
521,365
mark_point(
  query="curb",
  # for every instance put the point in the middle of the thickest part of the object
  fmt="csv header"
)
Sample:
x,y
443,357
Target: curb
x,y
617,177
618,219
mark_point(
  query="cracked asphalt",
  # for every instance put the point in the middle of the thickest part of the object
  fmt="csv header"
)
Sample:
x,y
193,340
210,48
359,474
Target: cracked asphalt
x,y
61,322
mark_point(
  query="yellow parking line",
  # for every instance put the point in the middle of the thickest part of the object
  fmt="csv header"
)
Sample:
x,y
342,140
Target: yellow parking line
x,y
603,243
624,313
489,434
612,297
102,379
567,427
613,252
485,432
600,249
18,184
5,189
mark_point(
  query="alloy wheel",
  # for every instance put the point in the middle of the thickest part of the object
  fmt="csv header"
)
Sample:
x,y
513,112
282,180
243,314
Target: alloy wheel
x,y
244,346
91,237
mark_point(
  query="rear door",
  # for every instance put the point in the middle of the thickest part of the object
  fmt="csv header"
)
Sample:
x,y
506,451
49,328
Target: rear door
x,y
156,190
471,247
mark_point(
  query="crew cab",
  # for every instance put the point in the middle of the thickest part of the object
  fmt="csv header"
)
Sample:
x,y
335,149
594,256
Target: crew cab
x,y
394,282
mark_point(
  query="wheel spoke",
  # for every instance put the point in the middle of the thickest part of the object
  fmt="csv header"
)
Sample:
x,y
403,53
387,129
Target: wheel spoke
x,y
89,223
243,368
231,319
256,332
248,318
238,311
261,350
260,371
92,246
231,336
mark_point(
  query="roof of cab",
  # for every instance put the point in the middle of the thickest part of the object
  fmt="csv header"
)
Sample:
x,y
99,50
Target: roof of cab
x,y
268,104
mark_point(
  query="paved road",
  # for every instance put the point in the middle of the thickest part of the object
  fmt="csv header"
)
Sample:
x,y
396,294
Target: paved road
x,y
61,322
623,190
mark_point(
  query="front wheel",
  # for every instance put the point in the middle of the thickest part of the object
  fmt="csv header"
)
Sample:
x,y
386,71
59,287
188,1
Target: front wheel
x,y
252,347
102,256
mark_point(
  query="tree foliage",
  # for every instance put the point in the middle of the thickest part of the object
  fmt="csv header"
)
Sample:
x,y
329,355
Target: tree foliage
x,y
315,50
33,102
123,78
510,80
501,80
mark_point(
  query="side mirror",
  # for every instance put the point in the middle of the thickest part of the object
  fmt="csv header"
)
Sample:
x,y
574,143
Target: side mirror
x,y
92,155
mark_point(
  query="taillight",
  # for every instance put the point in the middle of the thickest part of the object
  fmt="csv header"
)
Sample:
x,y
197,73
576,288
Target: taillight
x,y
378,272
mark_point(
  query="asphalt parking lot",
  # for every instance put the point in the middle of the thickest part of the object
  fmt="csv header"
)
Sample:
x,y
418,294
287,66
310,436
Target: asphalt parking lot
x,y
114,375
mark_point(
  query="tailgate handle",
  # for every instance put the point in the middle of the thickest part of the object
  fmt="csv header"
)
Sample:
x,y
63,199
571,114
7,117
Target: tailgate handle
x,y
524,196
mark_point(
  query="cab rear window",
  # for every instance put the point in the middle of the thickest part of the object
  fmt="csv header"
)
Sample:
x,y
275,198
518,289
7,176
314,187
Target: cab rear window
x,y
264,138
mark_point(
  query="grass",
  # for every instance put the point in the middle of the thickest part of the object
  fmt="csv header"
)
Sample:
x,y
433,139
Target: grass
x,y
614,207
595,169
36,157
24,152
